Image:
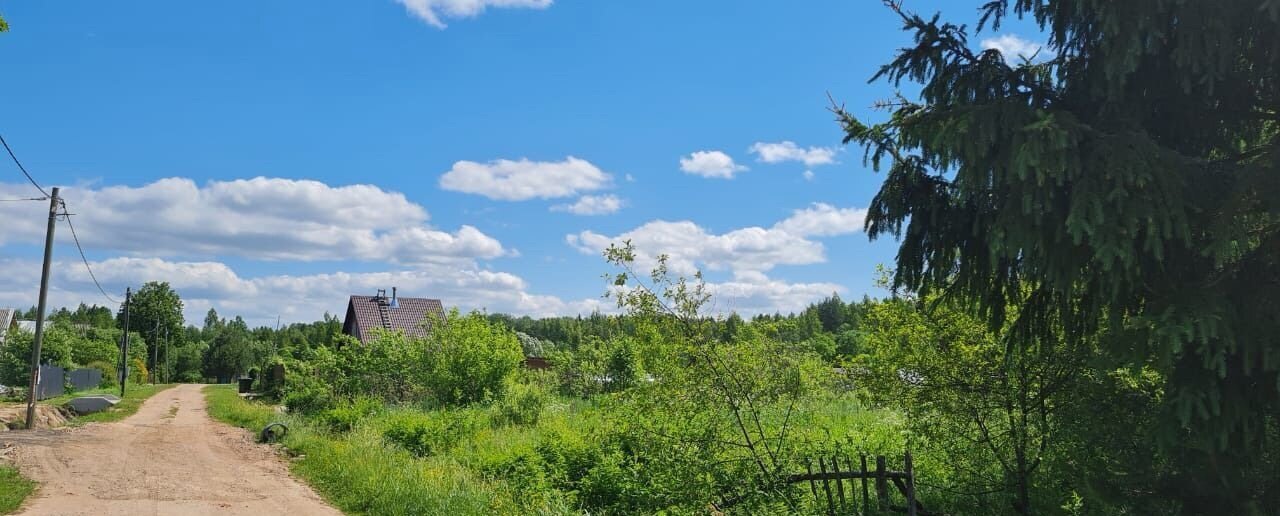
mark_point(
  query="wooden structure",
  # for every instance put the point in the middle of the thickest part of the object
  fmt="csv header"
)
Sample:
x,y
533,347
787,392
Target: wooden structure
x,y
844,487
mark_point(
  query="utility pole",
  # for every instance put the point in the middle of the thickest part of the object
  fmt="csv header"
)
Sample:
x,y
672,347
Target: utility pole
x,y
155,352
124,348
168,373
44,294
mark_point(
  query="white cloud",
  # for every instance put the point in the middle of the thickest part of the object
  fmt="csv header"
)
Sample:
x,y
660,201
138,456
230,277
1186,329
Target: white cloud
x,y
592,205
259,218
690,247
715,164
821,219
808,175
745,253
1011,47
754,293
521,180
432,11
789,151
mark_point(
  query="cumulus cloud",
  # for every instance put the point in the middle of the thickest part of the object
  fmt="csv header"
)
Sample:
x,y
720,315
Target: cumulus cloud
x,y
592,205
690,247
295,298
260,218
747,254
1011,47
788,151
808,175
508,180
715,164
752,293
821,219
434,11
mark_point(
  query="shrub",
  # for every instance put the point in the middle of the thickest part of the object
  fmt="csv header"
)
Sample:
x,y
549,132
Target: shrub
x,y
108,372
308,401
427,434
522,404
468,359
347,414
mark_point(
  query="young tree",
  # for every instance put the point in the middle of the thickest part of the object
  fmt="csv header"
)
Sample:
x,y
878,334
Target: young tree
x,y
155,311
1126,179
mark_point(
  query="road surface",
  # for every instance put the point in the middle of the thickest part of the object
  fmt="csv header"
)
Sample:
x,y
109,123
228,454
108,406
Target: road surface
x,y
168,458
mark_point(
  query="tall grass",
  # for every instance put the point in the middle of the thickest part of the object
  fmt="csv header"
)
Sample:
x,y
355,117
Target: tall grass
x,y
406,460
360,473
14,488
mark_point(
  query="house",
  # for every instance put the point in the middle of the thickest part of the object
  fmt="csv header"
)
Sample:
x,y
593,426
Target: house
x,y
366,314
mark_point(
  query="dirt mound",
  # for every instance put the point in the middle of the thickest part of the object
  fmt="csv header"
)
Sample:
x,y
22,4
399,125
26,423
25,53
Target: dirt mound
x,y
47,416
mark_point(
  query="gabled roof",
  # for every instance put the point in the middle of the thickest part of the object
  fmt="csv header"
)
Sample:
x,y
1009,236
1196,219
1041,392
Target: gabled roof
x,y
366,314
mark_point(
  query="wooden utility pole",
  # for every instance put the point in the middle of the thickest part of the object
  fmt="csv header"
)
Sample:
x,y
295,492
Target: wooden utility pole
x,y
44,294
124,346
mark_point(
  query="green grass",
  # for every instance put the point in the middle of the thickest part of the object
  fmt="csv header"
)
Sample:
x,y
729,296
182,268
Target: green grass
x,y
134,395
502,468
361,474
14,488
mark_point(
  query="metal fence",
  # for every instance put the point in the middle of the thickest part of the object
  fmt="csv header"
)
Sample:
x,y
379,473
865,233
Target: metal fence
x,y
82,379
52,382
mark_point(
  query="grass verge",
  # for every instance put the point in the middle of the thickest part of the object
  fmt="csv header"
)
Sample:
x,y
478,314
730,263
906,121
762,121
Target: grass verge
x,y
134,395
361,474
14,488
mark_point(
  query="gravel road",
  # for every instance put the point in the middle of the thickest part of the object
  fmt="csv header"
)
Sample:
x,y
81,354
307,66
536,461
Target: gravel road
x,y
168,458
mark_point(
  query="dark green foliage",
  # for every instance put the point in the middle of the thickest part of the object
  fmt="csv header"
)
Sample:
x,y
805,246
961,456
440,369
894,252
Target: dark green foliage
x,y
108,372
308,401
346,414
1124,186
427,434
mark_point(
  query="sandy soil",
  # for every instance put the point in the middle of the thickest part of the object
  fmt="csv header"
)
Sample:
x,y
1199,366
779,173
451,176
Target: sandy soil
x,y
168,458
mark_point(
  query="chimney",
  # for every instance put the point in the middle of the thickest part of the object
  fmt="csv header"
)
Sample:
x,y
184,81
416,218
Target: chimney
x,y
394,303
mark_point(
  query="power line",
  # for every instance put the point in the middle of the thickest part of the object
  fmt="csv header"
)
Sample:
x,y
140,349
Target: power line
x,y
25,199
67,217
22,168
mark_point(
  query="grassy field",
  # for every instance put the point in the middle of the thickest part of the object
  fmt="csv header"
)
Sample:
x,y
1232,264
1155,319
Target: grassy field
x,y
490,467
134,395
13,489
358,472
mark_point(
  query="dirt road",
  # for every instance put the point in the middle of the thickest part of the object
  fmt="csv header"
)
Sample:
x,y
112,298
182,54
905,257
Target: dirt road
x,y
169,458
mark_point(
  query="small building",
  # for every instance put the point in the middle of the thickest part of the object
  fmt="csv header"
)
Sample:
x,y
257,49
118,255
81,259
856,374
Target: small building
x,y
410,315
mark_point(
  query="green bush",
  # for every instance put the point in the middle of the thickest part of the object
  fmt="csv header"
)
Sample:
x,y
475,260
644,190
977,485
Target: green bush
x,y
433,433
522,404
347,414
467,359
308,401
108,372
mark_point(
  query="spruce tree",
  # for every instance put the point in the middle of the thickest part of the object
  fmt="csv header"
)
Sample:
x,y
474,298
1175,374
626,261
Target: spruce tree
x,y
1122,185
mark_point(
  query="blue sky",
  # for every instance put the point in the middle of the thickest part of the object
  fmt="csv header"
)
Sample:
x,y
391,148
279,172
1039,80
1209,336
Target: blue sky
x,y
491,157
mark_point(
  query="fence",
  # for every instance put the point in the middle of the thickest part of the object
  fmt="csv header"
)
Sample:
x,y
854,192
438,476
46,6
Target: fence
x,y
52,382
82,379
841,501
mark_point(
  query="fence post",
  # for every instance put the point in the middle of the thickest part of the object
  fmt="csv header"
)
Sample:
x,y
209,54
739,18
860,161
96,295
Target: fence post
x,y
835,464
808,466
826,487
911,484
866,497
882,489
